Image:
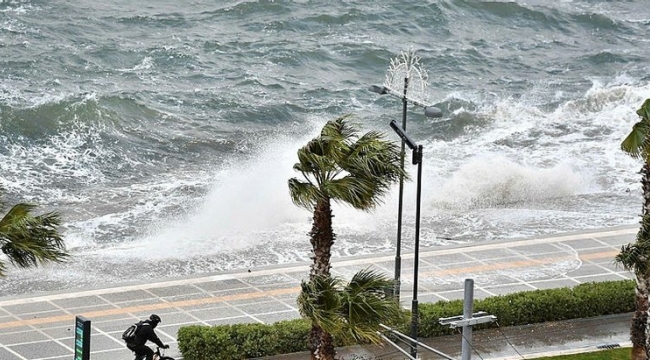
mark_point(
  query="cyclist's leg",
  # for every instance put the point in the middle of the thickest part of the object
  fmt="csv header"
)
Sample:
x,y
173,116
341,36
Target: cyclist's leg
x,y
149,352
143,352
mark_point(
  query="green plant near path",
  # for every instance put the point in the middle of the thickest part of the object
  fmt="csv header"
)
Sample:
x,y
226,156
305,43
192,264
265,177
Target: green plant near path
x,y
611,354
636,257
29,240
339,165
351,312
243,341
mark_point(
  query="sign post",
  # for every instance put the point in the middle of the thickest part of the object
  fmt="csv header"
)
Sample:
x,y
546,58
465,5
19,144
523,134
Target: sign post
x,y
82,339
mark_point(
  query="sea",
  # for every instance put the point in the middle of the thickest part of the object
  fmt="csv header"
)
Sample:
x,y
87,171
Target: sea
x,y
164,132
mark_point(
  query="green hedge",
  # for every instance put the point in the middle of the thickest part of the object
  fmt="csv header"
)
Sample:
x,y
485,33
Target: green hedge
x,y
242,341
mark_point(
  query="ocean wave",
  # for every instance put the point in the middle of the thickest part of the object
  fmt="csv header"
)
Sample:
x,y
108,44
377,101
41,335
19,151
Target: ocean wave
x,y
140,120
487,182
514,12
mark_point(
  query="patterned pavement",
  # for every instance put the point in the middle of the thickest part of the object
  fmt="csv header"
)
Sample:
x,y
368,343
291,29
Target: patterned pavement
x,y
42,326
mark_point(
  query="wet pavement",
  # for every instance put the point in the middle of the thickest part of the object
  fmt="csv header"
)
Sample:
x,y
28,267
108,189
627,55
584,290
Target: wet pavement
x,y
511,343
41,326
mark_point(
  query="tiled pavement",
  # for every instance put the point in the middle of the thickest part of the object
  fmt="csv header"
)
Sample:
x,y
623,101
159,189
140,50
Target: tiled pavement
x,y
42,327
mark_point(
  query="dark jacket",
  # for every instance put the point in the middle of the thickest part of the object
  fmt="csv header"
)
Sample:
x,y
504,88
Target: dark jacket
x,y
146,333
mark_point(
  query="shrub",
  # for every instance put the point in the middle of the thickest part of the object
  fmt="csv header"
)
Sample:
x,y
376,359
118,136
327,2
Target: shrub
x,y
226,342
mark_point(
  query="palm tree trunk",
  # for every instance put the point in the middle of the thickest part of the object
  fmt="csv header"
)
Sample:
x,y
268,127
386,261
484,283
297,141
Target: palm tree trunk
x,y
321,343
322,238
640,329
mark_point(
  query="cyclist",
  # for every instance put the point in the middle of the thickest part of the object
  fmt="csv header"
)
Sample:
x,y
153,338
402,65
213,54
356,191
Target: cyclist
x,y
144,333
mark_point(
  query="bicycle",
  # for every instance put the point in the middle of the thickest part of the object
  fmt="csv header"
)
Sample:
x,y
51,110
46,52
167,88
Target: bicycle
x,y
158,355
161,356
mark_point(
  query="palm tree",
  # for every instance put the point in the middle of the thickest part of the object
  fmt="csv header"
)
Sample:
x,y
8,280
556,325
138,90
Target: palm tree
x,y
339,165
350,312
29,240
636,257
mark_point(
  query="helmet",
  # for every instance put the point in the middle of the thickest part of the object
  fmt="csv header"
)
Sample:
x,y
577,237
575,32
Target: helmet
x,y
154,318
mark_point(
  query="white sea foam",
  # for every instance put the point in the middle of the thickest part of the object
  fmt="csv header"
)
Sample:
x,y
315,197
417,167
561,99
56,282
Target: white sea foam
x,y
248,199
493,181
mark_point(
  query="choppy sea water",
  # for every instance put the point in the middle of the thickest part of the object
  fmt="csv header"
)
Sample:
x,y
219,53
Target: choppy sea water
x,y
164,132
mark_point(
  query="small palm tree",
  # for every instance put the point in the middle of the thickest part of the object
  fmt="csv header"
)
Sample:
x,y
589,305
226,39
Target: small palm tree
x,y
30,240
339,165
636,257
349,312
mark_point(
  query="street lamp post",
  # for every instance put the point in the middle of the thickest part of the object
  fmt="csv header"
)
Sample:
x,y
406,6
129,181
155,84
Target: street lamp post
x,y
429,111
417,160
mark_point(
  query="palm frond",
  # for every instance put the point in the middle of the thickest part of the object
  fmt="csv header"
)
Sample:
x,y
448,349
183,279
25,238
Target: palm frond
x,y
31,240
636,257
644,110
350,312
367,305
339,130
354,191
303,194
637,143
633,144
347,169
319,301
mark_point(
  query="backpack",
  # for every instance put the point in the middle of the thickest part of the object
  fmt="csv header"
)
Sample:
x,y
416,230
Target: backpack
x,y
129,334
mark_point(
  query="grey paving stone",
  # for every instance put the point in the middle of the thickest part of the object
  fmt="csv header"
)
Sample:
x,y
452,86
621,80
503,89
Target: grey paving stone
x,y
271,287
14,328
60,332
583,244
508,289
587,269
428,298
272,318
492,254
171,291
175,318
553,283
127,296
263,307
615,241
185,297
19,337
599,278
168,334
270,279
163,313
459,294
220,285
41,349
7,355
30,308
82,310
229,292
100,342
80,302
216,313
117,323
137,303
112,354
538,249
43,315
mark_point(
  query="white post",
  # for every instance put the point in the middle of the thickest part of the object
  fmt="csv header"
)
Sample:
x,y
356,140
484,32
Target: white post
x,y
468,308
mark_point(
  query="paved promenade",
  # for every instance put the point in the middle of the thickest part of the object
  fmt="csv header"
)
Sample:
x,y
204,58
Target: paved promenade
x,y
42,326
